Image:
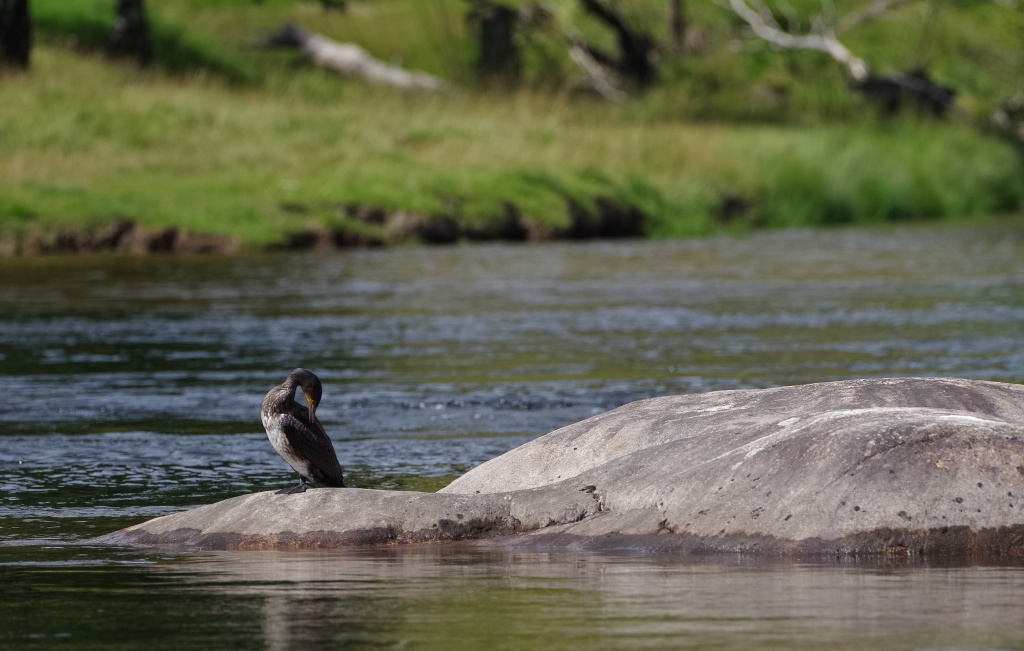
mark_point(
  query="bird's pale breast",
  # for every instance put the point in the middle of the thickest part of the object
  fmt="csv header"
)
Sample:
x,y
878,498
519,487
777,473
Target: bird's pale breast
x,y
278,439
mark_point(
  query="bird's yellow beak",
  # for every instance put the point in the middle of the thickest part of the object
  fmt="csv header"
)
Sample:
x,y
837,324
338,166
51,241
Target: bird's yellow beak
x,y
312,408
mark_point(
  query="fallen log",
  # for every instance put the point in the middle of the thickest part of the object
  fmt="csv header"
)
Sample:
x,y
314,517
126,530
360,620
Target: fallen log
x,y
349,59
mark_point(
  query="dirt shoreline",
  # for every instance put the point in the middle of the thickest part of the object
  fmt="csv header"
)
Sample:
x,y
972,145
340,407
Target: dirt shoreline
x,y
363,227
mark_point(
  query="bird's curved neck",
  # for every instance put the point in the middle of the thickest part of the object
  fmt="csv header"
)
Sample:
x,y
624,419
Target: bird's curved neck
x,y
282,399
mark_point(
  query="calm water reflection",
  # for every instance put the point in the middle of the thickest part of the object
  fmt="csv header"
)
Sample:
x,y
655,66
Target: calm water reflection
x,y
132,388
444,598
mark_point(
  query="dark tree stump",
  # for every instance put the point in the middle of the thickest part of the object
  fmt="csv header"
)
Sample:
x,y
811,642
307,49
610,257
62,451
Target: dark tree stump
x,y
130,38
15,34
913,90
495,26
676,18
635,47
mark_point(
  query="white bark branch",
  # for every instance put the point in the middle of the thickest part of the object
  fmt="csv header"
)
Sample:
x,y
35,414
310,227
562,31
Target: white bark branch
x,y
598,79
823,42
353,60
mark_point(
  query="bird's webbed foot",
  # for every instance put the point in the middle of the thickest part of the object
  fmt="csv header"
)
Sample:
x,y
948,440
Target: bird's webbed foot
x,y
301,488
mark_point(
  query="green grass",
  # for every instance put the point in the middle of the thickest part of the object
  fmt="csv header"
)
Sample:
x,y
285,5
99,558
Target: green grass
x,y
87,24
85,141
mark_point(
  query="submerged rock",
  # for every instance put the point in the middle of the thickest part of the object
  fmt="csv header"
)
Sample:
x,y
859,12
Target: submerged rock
x,y
901,466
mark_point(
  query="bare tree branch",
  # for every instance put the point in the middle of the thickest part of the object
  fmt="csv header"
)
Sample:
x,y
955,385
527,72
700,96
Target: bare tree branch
x,y
598,79
824,41
349,59
634,60
675,16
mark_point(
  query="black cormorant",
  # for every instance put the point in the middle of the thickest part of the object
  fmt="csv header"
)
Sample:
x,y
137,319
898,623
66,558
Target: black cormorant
x,y
297,435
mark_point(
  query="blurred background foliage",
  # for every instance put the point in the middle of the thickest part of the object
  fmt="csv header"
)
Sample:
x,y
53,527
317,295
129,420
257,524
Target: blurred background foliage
x,y
221,136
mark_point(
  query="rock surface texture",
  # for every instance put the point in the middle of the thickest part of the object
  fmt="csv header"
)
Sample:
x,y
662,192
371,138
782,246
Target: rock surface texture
x,y
909,466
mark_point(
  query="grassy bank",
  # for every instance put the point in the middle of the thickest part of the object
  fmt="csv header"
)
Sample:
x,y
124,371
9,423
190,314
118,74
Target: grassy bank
x,y
84,141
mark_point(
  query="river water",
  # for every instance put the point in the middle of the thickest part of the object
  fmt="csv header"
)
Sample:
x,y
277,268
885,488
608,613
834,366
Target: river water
x,y
131,388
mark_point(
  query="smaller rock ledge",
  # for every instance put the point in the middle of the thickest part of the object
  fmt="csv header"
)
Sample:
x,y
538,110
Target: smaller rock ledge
x,y
346,517
960,543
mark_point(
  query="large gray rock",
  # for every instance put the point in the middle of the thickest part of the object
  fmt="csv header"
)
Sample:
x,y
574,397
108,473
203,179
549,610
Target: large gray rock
x,y
906,466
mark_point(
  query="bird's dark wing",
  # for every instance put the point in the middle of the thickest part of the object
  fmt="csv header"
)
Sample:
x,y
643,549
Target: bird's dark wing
x,y
310,440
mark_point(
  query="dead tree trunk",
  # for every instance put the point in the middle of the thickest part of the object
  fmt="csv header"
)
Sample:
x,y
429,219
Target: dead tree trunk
x,y
130,38
495,26
601,76
1008,121
15,34
635,47
676,18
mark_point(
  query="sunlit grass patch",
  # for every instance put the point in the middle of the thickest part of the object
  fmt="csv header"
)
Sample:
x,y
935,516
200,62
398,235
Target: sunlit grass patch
x,y
87,25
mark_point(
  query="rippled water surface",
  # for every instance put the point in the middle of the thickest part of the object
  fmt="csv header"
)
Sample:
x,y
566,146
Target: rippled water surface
x,y
131,388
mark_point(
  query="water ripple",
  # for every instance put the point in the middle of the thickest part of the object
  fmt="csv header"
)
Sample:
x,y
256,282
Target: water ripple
x,y
133,386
